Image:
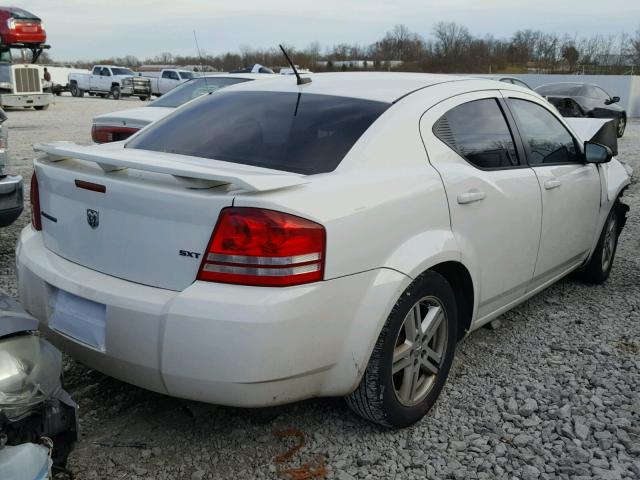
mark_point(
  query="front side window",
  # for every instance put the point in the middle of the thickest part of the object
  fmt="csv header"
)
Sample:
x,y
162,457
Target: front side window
x,y
548,140
290,131
478,132
97,71
601,94
122,71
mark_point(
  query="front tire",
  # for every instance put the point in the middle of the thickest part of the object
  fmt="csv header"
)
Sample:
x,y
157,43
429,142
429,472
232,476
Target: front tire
x,y
599,266
41,107
115,92
411,360
143,98
622,125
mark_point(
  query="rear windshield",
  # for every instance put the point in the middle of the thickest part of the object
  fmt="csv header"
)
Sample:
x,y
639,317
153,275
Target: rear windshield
x,y
20,14
194,89
573,90
294,132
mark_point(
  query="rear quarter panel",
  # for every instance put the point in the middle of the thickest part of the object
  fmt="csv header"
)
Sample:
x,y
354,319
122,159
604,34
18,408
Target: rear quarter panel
x,y
383,207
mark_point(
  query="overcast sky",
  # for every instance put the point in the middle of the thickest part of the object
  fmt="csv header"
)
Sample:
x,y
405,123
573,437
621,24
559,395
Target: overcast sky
x,y
88,29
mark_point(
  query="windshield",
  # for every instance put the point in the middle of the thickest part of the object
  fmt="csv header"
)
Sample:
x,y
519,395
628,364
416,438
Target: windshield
x,y
122,71
194,89
569,89
187,75
294,132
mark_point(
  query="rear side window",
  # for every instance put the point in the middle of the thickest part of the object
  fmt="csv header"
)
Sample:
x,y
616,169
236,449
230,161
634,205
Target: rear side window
x,y
479,132
548,141
295,132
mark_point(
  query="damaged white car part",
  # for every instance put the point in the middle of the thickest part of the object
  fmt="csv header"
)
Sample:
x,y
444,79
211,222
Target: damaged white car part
x,y
34,408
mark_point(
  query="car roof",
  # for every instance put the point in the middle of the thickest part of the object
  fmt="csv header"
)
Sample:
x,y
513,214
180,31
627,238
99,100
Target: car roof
x,y
377,86
249,76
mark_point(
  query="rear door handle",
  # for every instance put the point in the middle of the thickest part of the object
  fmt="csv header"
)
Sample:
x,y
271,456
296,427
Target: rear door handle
x,y
551,184
471,196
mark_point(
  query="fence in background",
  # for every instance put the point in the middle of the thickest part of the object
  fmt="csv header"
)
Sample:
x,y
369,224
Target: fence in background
x,y
627,87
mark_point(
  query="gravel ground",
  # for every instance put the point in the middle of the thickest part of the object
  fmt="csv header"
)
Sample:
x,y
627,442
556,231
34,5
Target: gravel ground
x,y
553,392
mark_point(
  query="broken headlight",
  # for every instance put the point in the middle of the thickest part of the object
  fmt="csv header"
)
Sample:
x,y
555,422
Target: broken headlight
x,y
30,372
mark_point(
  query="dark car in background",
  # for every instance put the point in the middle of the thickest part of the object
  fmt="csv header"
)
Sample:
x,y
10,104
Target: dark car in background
x,y
573,99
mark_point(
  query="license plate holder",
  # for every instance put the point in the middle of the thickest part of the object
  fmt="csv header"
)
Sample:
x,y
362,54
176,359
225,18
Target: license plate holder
x,y
80,319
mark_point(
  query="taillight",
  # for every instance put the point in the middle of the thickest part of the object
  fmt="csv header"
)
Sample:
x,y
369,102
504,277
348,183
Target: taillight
x,y
107,134
252,246
36,219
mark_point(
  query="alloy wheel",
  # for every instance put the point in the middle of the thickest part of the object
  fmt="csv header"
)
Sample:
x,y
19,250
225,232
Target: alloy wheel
x,y
419,351
609,245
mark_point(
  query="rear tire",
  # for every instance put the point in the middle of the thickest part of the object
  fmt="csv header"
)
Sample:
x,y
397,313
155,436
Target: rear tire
x,y
143,98
75,91
419,353
115,92
599,266
41,107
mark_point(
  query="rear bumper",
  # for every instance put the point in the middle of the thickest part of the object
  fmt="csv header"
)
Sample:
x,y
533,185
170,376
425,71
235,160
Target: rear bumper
x,y
12,37
26,100
11,199
224,344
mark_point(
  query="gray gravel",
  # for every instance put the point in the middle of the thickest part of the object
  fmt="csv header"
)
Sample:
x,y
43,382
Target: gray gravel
x,y
552,391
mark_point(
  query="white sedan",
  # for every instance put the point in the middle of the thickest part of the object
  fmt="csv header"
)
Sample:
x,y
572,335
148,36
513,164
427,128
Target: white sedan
x,y
332,238
120,125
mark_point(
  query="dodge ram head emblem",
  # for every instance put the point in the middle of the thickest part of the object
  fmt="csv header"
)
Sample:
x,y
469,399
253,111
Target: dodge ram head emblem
x,y
93,218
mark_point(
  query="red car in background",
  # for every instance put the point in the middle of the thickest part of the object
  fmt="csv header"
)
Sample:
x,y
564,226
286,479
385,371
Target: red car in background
x,y
17,26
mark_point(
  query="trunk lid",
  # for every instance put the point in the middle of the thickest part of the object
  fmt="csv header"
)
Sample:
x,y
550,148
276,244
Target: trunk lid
x,y
150,226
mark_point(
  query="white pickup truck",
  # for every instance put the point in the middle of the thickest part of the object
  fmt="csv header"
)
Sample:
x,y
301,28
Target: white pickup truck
x,y
105,80
167,79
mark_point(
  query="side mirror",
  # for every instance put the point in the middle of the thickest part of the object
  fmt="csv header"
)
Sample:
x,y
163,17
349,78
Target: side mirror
x,y
596,153
614,100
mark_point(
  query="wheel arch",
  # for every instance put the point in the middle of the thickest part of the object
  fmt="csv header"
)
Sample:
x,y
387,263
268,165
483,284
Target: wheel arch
x,y
461,283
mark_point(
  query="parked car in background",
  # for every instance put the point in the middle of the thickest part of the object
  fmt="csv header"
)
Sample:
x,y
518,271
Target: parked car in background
x,y
167,79
17,26
116,126
506,79
109,80
257,68
11,189
21,86
574,99
274,242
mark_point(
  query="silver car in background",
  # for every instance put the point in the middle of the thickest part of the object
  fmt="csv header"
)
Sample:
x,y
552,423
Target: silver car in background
x,y
120,125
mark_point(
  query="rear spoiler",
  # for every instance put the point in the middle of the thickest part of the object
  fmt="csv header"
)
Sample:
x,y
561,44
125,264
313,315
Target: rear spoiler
x,y
193,172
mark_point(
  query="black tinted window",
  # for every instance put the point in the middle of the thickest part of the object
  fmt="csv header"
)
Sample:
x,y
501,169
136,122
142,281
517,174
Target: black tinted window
x,y
568,89
478,131
302,133
194,89
548,140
